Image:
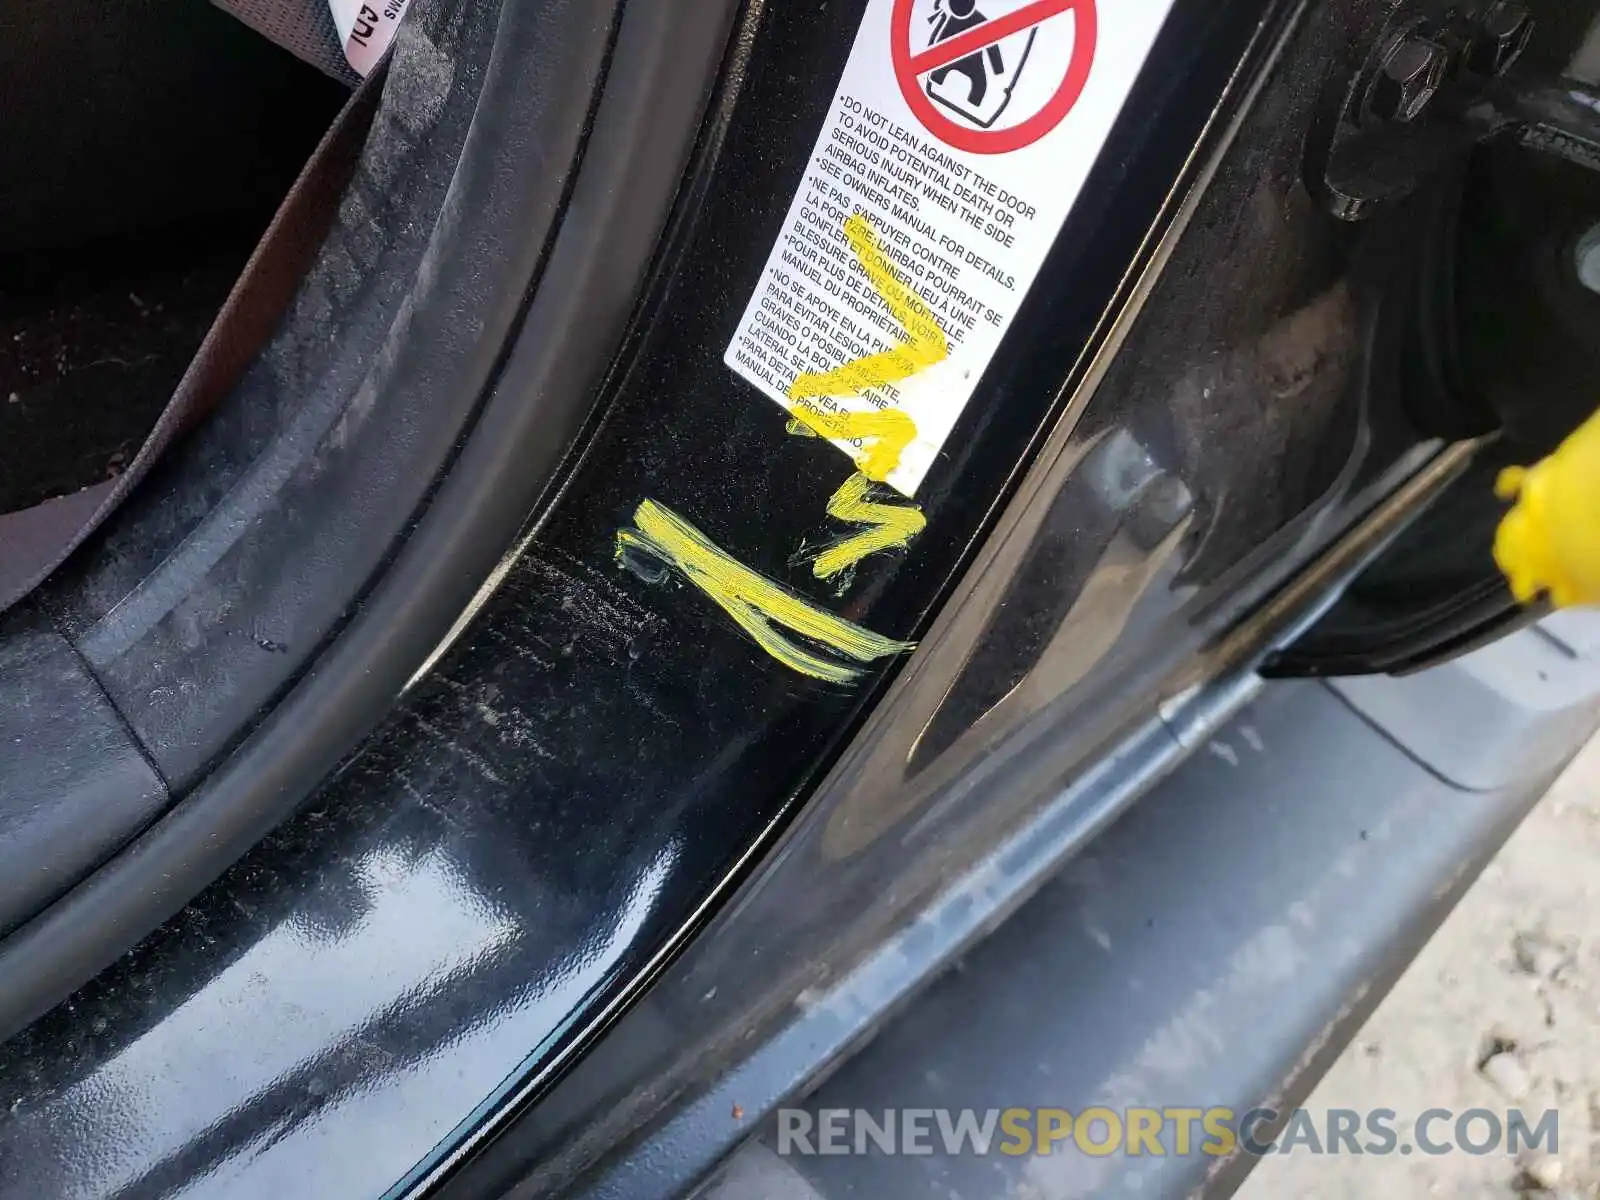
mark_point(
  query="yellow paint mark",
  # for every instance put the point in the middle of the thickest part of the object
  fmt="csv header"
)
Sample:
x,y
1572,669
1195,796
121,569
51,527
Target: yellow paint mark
x,y
885,432
757,604
888,429
924,344
889,527
894,525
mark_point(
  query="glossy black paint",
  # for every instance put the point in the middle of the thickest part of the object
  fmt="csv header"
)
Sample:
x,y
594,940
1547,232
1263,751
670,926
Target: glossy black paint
x,y
560,798
1100,599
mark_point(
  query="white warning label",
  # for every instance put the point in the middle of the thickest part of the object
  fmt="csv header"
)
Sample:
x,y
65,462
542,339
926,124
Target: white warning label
x,y
958,139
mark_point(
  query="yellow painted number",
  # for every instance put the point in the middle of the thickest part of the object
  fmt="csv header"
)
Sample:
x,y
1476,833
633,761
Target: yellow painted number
x,y
834,649
761,607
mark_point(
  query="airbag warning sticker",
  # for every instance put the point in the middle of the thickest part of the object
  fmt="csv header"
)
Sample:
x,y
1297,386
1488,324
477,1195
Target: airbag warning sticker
x,y
958,139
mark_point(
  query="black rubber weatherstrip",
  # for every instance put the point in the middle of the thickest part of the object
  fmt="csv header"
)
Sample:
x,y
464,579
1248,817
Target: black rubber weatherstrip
x,y
664,62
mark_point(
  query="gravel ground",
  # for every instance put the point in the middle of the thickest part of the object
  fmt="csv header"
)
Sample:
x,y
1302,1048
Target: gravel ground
x,y
1502,1008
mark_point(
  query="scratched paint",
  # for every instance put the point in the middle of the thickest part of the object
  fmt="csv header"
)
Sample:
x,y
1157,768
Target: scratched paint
x,y
882,434
763,608
922,344
891,526
888,527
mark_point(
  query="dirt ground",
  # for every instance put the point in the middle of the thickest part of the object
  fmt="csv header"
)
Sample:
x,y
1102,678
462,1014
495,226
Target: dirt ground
x,y
1501,1009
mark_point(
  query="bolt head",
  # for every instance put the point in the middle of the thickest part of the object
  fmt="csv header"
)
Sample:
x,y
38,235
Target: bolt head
x,y
1407,80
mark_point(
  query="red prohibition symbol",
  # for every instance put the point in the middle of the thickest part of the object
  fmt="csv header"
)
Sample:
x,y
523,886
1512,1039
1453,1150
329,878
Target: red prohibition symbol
x,y
909,68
